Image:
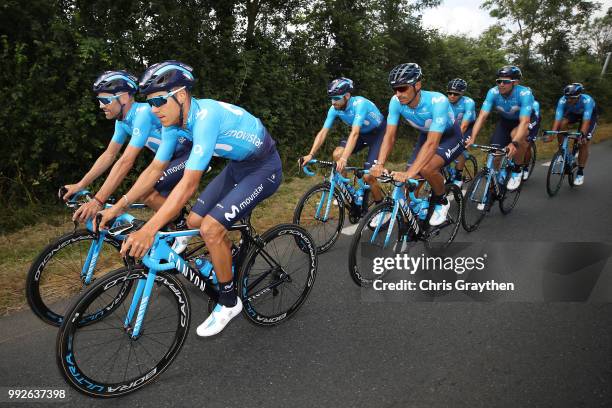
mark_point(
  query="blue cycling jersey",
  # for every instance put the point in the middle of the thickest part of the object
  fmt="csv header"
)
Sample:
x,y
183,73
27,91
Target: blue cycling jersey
x,y
584,106
536,108
359,111
432,114
464,109
224,130
142,125
518,103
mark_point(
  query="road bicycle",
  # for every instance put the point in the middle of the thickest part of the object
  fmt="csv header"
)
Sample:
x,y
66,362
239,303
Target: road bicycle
x,y
397,224
490,186
129,326
564,161
321,210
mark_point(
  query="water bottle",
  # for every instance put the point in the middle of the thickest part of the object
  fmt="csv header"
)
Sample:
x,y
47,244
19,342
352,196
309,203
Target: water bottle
x,y
359,197
206,269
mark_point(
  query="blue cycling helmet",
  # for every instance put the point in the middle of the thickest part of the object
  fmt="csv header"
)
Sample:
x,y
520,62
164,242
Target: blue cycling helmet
x,y
574,89
457,85
405,74
510,71
166,75
340,86
116,81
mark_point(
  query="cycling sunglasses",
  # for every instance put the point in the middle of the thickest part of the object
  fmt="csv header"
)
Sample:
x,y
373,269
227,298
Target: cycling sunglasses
x,y
401,88
453,94
161,100
106,100
504,81
337,98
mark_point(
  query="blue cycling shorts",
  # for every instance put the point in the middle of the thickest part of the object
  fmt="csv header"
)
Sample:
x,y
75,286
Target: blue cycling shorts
x,y
240,186
450,147
373,140
572,119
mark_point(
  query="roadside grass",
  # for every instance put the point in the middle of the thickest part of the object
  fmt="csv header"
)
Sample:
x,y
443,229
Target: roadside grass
x,y
18,249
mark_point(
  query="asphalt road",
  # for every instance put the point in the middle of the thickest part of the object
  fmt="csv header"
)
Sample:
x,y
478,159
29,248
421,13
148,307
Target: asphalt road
x,y
343,351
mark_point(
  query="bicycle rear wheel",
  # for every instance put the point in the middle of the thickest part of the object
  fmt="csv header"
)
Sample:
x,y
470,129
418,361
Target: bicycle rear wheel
x,y
509,198
101,359
532,161
55,276
278,274
371,241
470,170
441,236
556,172
310,214
477,202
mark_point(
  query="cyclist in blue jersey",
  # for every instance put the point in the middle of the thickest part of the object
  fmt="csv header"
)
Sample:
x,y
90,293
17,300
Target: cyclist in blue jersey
x,y
464,109
514,104
253,174
577,107
367,129
440,140
115,93
534,128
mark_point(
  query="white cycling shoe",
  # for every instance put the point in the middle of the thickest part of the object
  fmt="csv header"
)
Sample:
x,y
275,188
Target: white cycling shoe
x,y
439,215
218,319
515,181
180,244
579,180
525,174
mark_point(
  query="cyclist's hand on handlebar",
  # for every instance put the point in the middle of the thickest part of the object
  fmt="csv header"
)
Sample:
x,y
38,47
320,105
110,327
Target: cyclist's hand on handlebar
x,y
71,190
304,160
340,164
510,150
377,170
400,176
86,211
468,142
138,243
106,216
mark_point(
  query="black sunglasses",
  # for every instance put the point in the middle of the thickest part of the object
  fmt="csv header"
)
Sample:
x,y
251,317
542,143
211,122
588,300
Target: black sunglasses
x,y
453,94
401,88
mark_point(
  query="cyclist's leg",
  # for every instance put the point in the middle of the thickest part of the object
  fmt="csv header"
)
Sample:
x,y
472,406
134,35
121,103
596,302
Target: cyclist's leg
x,y
461,159
374,142
254,182
534,128
583,153
502,135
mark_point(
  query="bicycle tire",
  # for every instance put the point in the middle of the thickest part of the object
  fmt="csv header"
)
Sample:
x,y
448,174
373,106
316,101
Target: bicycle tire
x,y
556,172
42,268
470,169
436,239
357,275
532,161
324,237
475,196
509,198
72,337
287,245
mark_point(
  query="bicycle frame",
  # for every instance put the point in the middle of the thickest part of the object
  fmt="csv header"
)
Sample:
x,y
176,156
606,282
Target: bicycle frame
x,y
347,192
492,173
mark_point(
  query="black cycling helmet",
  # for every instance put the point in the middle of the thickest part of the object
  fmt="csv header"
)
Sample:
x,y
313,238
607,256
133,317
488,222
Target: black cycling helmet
x,y
166,75
574,89
405,74
457,85
339,86
116,81
510,71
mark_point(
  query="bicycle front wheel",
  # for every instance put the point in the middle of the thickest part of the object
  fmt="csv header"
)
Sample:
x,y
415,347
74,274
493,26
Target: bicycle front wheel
x,y
278,274
322,224
55,276
477,202
102,359
470,170
376,237
509,197
556,172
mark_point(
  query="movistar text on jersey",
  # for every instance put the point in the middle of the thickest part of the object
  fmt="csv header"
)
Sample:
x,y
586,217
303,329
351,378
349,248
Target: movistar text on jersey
x,y
413,264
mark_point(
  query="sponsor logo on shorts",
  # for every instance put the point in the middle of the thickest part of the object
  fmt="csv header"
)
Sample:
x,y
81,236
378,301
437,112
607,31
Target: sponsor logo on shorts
x,y
449,152
231,215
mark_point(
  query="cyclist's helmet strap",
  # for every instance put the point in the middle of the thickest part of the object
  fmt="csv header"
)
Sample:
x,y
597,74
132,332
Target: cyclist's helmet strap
x,y
340,86
510,71
405,74
457,85
574,89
